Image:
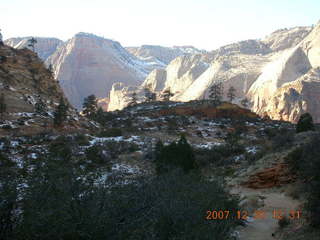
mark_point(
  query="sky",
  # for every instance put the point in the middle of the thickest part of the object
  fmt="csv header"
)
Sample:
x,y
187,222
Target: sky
x,y
205,24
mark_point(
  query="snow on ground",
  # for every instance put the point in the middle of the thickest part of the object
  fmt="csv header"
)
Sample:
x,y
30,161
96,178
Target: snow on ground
x,y
133,139
208,145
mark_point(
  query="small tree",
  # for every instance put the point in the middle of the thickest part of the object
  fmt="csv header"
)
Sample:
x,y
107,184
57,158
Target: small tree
x,y
1,42
40,107
166,95
3,106
90,106
245,102
99,116
231,94
31,43
60,114
133,100
305,123
216,93
178,155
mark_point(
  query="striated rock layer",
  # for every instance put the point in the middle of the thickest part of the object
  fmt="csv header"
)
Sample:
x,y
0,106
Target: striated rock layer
x,y
87,64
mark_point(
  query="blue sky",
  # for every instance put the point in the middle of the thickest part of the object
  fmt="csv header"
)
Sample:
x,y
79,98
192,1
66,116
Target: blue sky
x,y
205,24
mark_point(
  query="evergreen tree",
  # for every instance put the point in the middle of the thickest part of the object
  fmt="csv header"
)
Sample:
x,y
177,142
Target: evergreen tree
x,y
133,100
178,155
3,105
245,102
40,107
216,93
90,106
231,94
31,43
1,42
60,114
158,156
305,123
166,95
99,116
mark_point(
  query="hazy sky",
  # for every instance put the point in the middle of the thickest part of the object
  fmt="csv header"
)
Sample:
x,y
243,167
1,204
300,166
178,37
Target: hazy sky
x,y
205,24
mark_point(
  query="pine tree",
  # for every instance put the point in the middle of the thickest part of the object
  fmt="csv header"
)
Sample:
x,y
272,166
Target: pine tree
x,y
90,106
40,107
60,114
31,43
186,157
99,116
166,95
1,41
216,93
231,94
178,155
158,157
305,123
133,100
3,106
245,102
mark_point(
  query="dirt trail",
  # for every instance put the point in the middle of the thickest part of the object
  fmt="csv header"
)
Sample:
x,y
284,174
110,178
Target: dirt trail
x,y
262,229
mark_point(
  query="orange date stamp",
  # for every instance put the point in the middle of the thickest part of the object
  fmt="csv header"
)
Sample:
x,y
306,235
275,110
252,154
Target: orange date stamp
x,y
257,215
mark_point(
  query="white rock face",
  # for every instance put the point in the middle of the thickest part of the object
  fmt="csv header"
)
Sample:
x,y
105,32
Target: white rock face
x,y
279,74
239,71
162,55
120,96
276,87
248,47
297,97
87,64
183,71
44,46
311,46
287,67
155,80
286,38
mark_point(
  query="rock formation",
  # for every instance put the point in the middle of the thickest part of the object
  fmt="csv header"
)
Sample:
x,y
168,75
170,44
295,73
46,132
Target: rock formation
x,y
162,55
87,64
24,79
44,47
278,74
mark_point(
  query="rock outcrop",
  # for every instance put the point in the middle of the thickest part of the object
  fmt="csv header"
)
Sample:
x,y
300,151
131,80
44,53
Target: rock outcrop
x,y
162,55
44,47
297,97
288,86
24,80
286,38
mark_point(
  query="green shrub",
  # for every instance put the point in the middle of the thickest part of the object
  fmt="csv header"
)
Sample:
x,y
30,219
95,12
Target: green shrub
x,y
96,155
63,202
82,139
178,155
305,123
283,139
283,222
306,162
111,132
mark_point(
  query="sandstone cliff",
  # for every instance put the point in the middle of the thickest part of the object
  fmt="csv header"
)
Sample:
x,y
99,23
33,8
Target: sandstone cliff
x,y
258,69
44,47
87,64
162,55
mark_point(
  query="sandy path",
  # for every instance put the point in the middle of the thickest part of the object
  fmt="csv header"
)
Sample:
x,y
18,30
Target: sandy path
x,y
262,229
